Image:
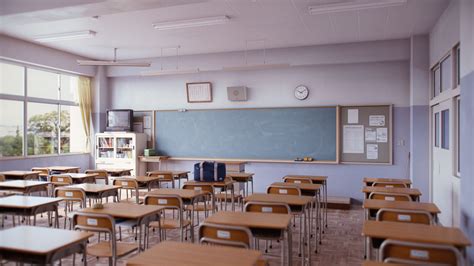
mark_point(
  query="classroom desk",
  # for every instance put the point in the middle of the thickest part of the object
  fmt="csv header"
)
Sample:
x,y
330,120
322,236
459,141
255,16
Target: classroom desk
x,y
29,206
144,181
79,178
226,184
21,175
142,214
153,159
242,177
371,207
317,179
118,171
97,191
39,245
64,169
177,175
234,166
188,254
368,181
431,234
25,186
412,192
256,221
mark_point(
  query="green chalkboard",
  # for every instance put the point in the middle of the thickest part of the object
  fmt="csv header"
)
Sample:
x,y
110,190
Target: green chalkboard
x,y
263,133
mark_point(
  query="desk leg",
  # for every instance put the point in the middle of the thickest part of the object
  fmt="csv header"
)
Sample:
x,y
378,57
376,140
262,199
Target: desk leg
x,y
290,245
139,228
232,194
308,234
84,252
326,202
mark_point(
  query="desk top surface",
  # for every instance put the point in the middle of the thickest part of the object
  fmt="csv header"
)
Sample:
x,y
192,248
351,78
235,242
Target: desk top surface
x,y
251,219
302,186
19,173
23,183
402,205
125,210
384,179
25,202
398,190
142,178
312,177
216,184
164,172
94,188
78,175
278,198
63,168
183,193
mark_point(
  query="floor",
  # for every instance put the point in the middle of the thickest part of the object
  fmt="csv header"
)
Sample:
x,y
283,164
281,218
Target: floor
x,y
342,242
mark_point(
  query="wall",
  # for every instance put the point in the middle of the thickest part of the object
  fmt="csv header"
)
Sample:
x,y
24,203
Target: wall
x,y
361,80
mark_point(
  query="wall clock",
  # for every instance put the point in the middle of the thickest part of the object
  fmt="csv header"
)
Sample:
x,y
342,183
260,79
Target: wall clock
x,y
301,92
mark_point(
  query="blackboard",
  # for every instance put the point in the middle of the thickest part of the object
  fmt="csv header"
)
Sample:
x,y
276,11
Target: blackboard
x,y
250,134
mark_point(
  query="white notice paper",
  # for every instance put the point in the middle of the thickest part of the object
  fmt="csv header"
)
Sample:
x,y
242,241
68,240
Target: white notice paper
x,y
382,134
147,121
370,134
148,134
353,116
353,139
376,120
372,151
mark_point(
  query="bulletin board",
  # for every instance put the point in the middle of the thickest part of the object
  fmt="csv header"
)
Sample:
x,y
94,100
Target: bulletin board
x,y
366,134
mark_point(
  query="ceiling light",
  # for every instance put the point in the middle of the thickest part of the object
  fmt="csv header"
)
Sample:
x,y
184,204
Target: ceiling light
x,y
353,6
256,67
197,22
170,72
65,36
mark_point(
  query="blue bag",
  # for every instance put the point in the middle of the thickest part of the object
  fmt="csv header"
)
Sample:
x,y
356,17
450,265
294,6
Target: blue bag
x,y
209,172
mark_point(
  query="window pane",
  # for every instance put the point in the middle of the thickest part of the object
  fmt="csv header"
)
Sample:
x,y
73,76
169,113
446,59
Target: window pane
x,y
11,128
69,88
446,74
42,84
445,129
436,81
458,65
12,79
459,135
73,138
436,131
42,128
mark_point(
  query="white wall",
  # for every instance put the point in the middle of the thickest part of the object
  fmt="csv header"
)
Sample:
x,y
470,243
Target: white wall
x,y
445,34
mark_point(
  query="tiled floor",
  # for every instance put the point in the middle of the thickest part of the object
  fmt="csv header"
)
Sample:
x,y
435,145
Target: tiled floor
x,y
342,241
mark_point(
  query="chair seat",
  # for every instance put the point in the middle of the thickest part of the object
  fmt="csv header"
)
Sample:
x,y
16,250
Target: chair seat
x,y
170,223
104,249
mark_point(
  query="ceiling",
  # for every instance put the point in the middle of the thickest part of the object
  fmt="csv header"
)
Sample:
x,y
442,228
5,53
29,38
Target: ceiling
x,y
127,24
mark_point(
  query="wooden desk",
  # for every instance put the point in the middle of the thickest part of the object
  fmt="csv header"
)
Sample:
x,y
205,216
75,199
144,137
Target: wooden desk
x,y
242,178
79,178
234,166
145,181
226,184
98,191
39,245
412,232
256,220
64,169
368,181
118,171
177,175
187,194
153,159
187,254
372,206
412,192
22,175
29,206
25,186
142,214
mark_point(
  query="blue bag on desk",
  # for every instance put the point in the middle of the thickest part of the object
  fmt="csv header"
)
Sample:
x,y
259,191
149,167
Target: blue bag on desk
x,y
209,172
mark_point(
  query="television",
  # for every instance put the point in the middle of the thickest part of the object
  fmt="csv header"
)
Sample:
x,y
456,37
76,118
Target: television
x,y
119,120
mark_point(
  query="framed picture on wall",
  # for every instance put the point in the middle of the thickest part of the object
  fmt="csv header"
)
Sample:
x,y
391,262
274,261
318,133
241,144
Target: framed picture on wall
x,y
199,92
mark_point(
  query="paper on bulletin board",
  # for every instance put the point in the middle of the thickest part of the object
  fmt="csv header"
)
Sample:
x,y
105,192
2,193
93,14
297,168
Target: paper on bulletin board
x,y
370,134
382,134
353,116
146,121
353,139
148,134
372,151
376,120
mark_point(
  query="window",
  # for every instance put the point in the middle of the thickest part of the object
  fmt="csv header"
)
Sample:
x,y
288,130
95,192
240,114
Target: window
x,y
53,118
436,131
436,81
458,65
458,136
446,73
445,129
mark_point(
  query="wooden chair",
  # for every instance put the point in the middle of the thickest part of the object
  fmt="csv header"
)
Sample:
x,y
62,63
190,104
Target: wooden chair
x,y
102,223
390,196
389,184
297,180
101,174
128,184
2,178
44,172
404,216
164,177
60,180
283,190
70,196
207,204
171,203
395,251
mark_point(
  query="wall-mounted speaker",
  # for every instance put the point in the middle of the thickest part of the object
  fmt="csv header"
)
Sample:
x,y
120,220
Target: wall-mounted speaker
x,y
238,93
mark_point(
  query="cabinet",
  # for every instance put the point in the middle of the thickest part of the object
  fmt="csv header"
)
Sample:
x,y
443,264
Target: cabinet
x,y
120,150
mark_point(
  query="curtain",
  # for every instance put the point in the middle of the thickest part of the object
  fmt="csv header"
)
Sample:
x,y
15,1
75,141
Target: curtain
x,y
85,103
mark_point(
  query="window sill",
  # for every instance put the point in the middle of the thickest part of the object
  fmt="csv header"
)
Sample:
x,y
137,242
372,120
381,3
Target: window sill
x,y
42,156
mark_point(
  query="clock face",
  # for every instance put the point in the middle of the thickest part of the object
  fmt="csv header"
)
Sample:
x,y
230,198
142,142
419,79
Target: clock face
x,y
301,92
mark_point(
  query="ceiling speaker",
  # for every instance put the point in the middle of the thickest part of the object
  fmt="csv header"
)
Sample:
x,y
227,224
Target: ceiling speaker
x,y
237,93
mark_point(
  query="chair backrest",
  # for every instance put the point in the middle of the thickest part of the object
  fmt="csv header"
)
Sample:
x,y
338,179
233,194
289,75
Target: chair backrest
x,y
205,188
167,201
94,222
267,207
126,183
389,184
283,190
225,235
2,178
101,174
71,194
390,196
404,216
163,176
42,170
297,180
61,179
395,251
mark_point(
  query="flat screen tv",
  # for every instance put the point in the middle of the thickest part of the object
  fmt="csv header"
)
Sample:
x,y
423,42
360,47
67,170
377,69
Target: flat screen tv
x,y
119,120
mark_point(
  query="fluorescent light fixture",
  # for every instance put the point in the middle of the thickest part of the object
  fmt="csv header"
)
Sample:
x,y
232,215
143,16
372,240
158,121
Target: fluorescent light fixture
x,y
197,22
170,72
255,67
353,6
65,36
111,63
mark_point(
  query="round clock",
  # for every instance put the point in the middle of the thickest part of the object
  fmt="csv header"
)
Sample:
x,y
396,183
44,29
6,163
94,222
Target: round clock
x,y
301,92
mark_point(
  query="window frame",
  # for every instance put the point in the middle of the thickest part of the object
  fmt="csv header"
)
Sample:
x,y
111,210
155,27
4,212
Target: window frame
x,y
457,135
27,99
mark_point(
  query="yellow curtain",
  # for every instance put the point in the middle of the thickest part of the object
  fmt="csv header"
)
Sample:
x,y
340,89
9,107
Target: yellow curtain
x,y
85,103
